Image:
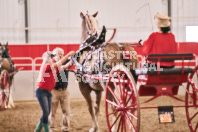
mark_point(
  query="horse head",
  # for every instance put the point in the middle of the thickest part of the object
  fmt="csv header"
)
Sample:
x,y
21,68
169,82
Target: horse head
x,y
89,25
4,51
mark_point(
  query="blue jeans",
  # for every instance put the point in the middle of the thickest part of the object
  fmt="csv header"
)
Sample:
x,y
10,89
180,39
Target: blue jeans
x,y
45,100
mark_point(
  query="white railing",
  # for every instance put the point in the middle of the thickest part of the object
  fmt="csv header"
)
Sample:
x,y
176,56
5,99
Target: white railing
x,y
24,58
22,64
33,63
34,68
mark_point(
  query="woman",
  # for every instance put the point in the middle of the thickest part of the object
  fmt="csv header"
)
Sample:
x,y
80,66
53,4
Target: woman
x,y
161,42
47,76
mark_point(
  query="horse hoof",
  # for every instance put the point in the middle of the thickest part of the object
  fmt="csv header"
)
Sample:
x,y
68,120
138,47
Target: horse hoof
x,y
93,130
114,129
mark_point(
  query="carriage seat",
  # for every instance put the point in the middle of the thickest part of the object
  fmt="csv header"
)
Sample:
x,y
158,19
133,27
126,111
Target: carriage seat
x,y
170,57
164,58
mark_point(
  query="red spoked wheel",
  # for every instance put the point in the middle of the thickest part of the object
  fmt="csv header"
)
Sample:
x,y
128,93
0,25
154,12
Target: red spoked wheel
x,y
192,101
4,90
121,102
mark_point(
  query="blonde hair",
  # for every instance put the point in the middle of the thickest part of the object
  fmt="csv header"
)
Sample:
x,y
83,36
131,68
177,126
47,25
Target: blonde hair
x,y
57,49
46,59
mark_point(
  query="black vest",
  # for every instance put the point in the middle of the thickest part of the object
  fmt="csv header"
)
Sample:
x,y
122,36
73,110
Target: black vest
x,y
62,80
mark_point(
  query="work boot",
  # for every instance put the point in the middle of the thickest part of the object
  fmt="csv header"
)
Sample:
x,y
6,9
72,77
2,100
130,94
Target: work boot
x,y
38,127
46,127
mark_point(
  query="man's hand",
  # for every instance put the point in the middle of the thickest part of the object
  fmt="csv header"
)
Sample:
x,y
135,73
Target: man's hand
x,y
71,53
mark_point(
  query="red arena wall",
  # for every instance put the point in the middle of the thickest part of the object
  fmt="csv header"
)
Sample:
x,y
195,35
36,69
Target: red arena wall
x,y
25,55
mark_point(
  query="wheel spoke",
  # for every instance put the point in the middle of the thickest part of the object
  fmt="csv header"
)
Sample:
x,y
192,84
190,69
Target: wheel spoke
x,y
131,114
125,123
116,98
117,89
124,89
134,107
128,93
130,121
117,118
113,103
120,122
196,127
120,87
114,112
129,98
193,116
125,95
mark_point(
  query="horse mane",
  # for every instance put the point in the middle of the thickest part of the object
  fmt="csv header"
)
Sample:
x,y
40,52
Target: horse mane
x,y
84,32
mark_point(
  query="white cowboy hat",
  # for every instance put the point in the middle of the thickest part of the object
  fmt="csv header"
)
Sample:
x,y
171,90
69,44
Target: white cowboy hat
x,y
162,20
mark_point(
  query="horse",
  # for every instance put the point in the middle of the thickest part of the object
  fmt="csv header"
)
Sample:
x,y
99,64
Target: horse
x,y
96,59
7,71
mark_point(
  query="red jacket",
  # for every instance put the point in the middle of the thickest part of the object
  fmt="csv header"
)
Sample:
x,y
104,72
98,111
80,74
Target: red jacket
x,y
160,43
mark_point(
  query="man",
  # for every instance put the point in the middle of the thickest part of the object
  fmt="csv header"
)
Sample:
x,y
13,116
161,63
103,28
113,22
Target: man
x,y
60,93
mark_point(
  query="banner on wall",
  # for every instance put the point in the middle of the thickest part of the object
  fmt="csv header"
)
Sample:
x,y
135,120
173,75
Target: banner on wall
x,y
27,55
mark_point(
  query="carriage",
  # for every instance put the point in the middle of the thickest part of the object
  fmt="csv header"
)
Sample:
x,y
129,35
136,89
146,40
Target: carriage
x,y
4,89
7,71
154,82
123,112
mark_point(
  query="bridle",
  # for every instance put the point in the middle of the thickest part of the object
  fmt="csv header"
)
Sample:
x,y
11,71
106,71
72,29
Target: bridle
x,y
88,24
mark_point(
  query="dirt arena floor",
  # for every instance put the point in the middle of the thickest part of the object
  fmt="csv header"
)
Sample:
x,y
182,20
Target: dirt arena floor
x,y
24,117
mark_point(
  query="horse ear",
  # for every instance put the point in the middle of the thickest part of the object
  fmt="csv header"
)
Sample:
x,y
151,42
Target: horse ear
x,y
82,15
94,15
6,43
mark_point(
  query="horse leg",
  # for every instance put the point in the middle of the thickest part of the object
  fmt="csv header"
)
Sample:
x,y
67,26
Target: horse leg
x,y
97,103
86,92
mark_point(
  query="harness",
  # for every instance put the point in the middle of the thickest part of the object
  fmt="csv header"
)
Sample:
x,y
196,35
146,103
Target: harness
x,y
96,44
86,24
